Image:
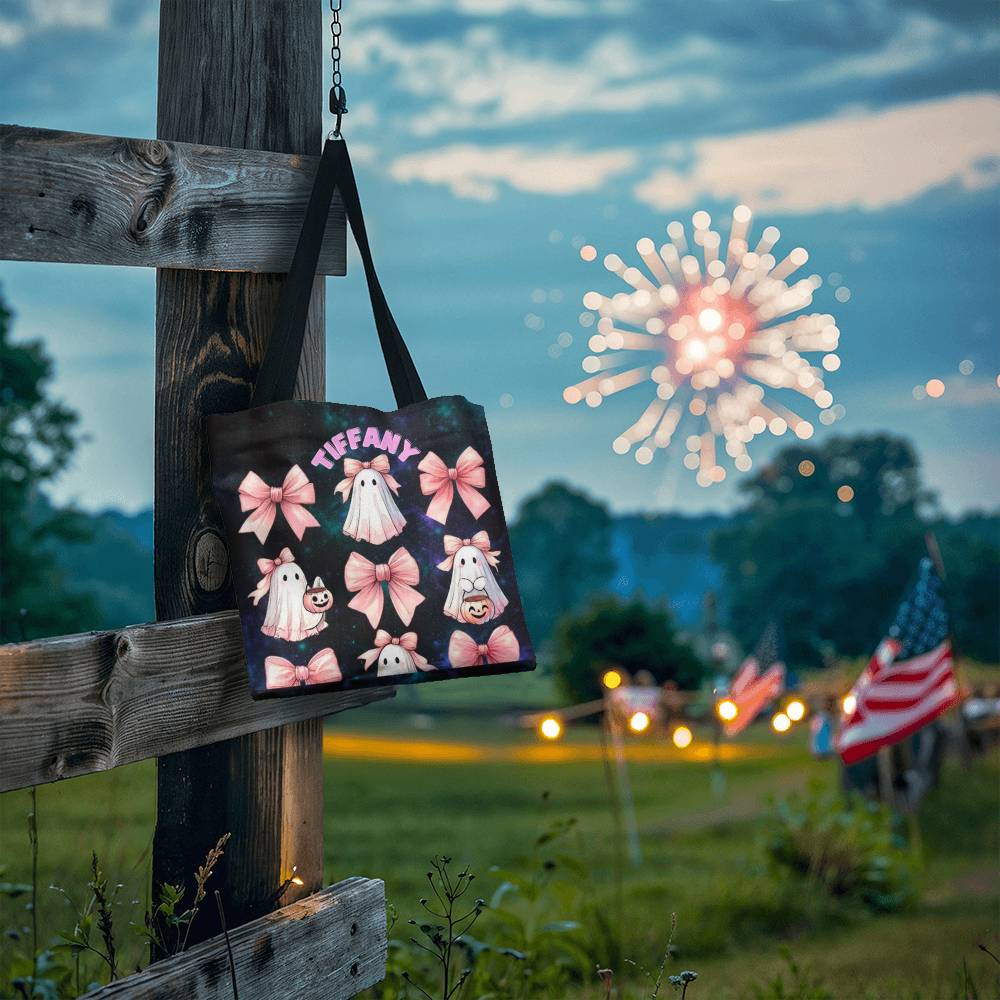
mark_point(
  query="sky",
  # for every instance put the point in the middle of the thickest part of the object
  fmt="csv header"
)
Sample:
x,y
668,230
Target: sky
x,y
495,138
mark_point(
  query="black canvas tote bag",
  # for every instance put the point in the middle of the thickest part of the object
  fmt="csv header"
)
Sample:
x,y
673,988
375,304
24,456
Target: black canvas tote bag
x,y
366,547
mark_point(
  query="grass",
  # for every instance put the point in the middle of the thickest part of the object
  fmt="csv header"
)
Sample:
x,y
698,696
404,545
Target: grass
x,y
702,854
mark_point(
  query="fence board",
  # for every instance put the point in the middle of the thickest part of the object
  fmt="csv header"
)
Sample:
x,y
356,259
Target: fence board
x,y
328,946
91,702
96,199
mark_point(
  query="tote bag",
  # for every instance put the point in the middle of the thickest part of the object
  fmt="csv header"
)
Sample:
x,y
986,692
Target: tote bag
x,y
366,547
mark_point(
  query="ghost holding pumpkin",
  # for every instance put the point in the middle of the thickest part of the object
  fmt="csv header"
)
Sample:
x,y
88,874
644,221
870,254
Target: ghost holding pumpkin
x,y
474,594
284,584
372,515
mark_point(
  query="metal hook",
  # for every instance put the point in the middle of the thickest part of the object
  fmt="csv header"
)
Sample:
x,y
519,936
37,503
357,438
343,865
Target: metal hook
x,y
338,107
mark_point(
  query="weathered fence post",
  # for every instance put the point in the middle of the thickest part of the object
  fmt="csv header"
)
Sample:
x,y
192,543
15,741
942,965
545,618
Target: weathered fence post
x,y
239,73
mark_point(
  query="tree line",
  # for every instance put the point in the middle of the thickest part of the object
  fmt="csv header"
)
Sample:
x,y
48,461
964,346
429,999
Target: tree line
x,y
824,543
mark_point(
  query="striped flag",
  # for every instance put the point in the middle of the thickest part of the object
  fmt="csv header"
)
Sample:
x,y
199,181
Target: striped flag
x,y
752,690
909,681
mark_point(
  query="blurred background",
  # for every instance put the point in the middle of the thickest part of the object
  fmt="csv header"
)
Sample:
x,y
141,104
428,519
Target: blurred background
x,y
505,148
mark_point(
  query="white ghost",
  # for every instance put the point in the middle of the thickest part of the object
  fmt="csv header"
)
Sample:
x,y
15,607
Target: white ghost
x,y
284,584
395,655
470,561
372,515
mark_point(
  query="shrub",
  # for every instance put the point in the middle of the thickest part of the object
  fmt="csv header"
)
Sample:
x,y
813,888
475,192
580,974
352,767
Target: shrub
x,y
848,848
630,634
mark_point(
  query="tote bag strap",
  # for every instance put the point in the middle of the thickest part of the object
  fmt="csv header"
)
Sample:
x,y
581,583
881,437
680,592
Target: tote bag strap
x,y
276,377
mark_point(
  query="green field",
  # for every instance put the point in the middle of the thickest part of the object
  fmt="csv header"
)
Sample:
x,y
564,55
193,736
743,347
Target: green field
x,y
701,845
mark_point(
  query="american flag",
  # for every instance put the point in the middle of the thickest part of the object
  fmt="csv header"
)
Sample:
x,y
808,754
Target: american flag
x,y
909,681
751,690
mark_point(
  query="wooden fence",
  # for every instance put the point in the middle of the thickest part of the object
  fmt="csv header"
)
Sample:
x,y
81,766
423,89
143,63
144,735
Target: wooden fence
x,y
214,203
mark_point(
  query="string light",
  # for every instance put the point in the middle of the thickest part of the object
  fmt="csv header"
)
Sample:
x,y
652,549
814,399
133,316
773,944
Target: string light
x,y
682,737
727,709
611,679
550,728
780,723
717,332
639,722
293,879
795,710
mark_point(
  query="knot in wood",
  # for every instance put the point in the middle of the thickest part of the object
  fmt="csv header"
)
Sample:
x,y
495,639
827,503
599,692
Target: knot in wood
x,y
150,163
152,151
211,561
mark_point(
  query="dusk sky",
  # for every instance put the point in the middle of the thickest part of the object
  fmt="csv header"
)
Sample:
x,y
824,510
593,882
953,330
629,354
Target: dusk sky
x,y
494,138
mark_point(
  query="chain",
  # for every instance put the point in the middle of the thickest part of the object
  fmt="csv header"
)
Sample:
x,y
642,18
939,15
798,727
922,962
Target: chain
x,y
338,96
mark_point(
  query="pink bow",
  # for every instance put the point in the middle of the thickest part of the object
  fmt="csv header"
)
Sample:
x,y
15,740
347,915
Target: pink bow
x,y
380,463
408,641
437,478
257,496
267,567
321,669
501,647
480,540
365,578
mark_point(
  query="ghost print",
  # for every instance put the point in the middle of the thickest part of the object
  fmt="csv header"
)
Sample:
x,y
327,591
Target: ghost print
x,y
283,585
395,656
471,563
370,492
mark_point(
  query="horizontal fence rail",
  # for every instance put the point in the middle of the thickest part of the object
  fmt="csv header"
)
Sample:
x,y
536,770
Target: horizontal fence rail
x,y
328,946
83,703
95,199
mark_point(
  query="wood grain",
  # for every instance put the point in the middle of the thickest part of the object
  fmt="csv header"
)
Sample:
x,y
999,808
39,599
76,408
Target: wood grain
x,y
96,199
327,947
91,702
240,74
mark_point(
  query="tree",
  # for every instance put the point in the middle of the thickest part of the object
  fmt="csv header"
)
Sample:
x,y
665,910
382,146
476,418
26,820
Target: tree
x,y
830,571
882,471
971,556
37,438
631,635
562,547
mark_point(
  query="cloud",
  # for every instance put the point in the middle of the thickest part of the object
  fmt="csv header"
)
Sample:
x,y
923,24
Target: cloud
x,y
472,171
959,393
377,9
41,15
918,41
482,82
866,160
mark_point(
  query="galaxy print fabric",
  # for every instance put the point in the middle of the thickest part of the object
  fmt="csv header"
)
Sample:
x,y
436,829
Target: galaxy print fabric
x,y
366,547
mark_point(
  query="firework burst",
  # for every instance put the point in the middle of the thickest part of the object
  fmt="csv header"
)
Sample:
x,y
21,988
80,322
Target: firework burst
x,y
713,334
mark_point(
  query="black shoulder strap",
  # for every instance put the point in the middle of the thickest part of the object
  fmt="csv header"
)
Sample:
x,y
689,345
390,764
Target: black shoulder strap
x,y
276,378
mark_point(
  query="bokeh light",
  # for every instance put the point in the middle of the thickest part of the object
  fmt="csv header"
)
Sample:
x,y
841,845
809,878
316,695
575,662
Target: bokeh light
x,y
849,704
845,493
806,468
727,709
934,388
550,728
682,737
795,710
611,679
780,723
639,722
